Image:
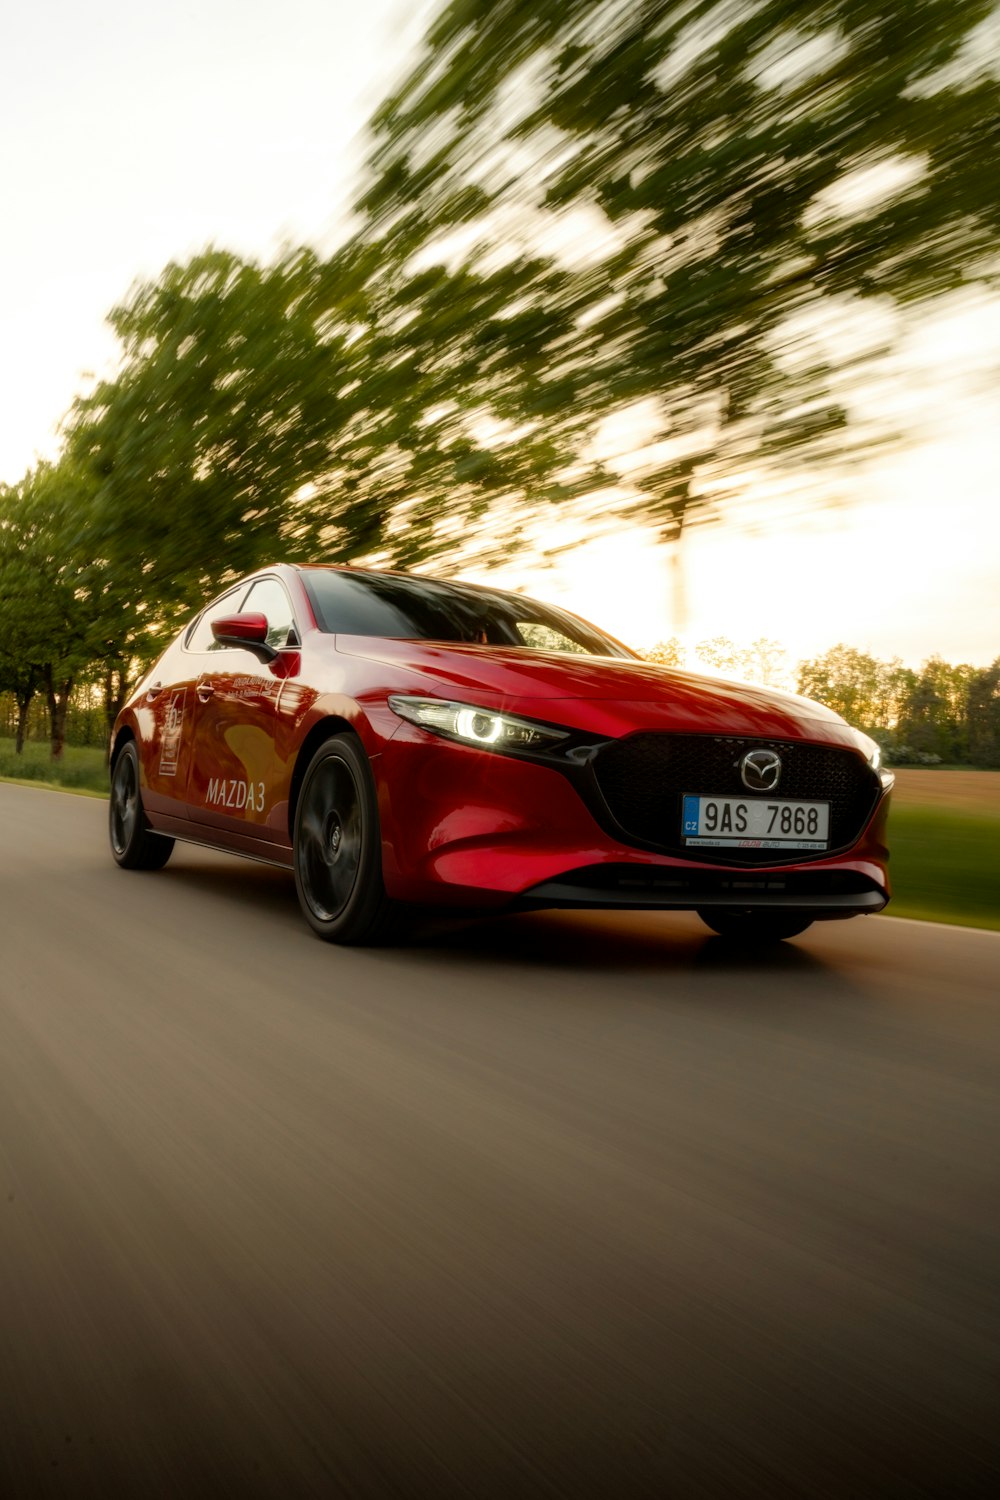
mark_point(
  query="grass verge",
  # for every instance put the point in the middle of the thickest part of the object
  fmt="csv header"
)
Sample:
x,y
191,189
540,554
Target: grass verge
x,y
82,769
945,865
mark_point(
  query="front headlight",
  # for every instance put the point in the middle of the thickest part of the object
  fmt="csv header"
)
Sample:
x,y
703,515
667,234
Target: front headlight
x,y
870,749
476,726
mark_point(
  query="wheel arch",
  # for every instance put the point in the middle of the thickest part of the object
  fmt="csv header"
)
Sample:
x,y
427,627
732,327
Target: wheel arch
x,y
123,736
325,729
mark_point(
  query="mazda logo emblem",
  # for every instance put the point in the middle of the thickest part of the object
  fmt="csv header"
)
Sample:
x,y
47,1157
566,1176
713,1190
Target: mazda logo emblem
x,y
760,770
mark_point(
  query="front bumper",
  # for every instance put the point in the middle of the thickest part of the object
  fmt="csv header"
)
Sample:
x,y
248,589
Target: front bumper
x,y
466,827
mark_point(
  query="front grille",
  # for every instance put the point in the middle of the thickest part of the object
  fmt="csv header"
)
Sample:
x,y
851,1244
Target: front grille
x,y
643,778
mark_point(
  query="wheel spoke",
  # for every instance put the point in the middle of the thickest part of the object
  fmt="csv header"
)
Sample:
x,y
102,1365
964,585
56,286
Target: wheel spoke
x,y
124,804
311,826
329,842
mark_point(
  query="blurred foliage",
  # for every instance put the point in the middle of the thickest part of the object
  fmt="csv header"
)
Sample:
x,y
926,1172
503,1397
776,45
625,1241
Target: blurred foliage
x,y
573,211
720,176
289,411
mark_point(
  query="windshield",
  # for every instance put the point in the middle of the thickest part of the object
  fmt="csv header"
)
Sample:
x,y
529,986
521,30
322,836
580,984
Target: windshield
x,y
405,607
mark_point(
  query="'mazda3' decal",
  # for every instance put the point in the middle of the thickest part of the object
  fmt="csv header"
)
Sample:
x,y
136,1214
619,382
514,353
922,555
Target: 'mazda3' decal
x,y
242,795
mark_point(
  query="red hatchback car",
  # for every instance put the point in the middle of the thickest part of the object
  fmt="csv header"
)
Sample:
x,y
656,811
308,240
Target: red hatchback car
x,y
395,739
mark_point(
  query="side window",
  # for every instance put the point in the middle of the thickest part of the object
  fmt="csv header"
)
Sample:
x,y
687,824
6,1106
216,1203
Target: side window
x,y
544,638
200,637
268,597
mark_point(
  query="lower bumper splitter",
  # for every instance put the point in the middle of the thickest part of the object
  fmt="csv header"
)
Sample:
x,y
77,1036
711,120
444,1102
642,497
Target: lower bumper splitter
x,y
824,893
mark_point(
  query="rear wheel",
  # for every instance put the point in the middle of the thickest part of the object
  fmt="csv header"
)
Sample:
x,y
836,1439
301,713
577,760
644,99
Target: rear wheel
x,y
133,843
754,926
338,854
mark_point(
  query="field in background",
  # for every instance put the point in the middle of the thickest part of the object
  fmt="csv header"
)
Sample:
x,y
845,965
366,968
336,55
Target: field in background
x,y
958,790
944,831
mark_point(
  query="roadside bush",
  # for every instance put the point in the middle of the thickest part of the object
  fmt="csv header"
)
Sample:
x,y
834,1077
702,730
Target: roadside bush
x,y
82,767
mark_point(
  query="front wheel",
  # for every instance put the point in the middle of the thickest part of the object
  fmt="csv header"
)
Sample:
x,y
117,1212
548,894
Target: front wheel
x,y
133,843
337,848
754,926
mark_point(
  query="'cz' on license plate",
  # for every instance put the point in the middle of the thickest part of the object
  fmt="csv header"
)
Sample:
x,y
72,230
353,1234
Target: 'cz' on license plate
x,y
755,823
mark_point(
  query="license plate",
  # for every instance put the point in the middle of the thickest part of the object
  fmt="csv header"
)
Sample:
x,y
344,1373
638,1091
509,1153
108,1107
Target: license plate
x,y
753,823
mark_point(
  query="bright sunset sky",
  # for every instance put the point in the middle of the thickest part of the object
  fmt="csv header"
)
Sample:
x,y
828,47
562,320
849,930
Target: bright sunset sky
x,y
136,133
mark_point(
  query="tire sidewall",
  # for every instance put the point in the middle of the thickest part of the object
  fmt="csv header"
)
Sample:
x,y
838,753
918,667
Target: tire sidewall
x,y
367,897
755,927
126,855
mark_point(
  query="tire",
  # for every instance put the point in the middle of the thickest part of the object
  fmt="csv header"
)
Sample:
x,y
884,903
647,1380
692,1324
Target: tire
x,y
337,847
133,843
754,927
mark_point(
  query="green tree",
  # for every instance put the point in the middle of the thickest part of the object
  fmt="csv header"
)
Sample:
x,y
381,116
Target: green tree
x,y
849,681
723,178
934,716
670,653
42,615
20,666
297,410
762,661
983,712
220,414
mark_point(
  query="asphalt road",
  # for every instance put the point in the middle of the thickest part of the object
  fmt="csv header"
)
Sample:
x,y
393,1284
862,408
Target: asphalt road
x,y
551,1205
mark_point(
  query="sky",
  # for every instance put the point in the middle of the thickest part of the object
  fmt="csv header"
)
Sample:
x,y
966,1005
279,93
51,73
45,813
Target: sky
x,y
133,133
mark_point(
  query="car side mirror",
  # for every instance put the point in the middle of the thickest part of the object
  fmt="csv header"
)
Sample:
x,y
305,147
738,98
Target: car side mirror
x,y
248,631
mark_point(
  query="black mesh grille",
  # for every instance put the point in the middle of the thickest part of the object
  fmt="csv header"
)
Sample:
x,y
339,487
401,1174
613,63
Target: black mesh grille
x,y
644,777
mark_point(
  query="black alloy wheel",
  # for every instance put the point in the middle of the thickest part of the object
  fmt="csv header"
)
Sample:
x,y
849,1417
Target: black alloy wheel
x,y
133,843
751,927
338,856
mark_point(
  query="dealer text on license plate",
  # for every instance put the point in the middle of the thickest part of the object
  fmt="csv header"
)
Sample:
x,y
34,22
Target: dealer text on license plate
x,y
755,823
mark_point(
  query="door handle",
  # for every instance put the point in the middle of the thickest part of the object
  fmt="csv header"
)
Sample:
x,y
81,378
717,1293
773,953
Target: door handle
x,y
205,690
154,691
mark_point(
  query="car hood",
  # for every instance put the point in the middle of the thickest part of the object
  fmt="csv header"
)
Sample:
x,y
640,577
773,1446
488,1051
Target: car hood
x,y
658,696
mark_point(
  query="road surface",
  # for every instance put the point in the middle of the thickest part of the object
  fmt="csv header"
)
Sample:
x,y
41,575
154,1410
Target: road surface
x,y
556,1205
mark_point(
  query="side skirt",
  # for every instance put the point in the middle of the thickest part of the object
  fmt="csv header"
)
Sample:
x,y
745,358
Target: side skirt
x,y
261,850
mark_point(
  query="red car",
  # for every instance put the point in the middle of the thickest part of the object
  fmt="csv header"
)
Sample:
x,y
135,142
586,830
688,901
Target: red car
x,y
394,739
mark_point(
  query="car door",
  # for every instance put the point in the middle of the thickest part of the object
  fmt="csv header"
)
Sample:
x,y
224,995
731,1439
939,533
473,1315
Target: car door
x,y
164,715
232,775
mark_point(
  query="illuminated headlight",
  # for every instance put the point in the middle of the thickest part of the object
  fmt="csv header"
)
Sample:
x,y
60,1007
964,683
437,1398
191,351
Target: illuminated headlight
x,y
870,749
476,726
872,753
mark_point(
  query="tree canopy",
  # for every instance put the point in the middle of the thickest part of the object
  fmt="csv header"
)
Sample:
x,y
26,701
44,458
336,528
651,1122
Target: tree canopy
x,y
707,184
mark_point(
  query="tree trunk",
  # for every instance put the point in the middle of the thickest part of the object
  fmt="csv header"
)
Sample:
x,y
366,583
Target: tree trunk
x,y
676,506
678,588
23,704
57,693
678,572
116,691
